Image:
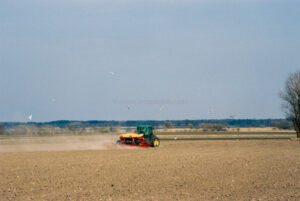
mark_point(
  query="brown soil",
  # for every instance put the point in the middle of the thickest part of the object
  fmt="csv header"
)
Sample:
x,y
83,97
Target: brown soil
x,y
179,170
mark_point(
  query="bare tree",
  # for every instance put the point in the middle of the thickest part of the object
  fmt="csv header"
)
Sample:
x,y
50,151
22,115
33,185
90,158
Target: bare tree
x,y
291,100
168,124
190,126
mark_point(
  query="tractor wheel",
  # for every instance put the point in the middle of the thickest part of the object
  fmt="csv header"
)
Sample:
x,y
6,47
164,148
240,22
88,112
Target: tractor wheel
x,y
119,142
155,142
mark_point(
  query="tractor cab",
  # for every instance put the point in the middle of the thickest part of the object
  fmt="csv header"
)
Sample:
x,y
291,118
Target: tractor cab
x,y
145,130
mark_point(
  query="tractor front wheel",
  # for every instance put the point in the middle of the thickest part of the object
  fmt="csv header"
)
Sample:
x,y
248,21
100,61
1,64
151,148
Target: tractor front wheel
x,y
155,142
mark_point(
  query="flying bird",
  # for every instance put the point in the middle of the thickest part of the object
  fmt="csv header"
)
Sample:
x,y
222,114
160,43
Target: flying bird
x,y
112,73
30,117
128,107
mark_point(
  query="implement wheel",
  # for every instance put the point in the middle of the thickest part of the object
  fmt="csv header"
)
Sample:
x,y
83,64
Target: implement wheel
x,y
155,142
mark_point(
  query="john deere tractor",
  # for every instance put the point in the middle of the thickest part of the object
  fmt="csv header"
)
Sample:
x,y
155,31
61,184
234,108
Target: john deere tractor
x,y
143,136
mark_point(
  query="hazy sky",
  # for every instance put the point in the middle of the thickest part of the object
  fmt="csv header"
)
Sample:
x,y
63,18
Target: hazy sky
x,y
90,59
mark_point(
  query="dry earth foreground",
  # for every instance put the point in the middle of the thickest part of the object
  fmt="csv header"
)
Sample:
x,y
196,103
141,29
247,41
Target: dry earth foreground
x,y
178,170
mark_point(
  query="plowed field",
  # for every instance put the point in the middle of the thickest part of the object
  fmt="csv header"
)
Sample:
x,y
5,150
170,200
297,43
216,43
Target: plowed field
x,y
178,170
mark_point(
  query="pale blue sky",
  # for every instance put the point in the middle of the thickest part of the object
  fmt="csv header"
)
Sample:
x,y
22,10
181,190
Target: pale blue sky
x,y
170,59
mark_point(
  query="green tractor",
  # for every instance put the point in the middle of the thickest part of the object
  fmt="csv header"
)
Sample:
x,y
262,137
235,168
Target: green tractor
x,y
143,136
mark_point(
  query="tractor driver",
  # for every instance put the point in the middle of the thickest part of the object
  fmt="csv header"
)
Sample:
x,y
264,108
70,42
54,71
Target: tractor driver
x,y
144,132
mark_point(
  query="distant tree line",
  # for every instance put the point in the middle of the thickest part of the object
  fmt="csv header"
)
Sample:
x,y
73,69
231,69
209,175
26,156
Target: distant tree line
x,y
213,127
2,129
157,124
282,124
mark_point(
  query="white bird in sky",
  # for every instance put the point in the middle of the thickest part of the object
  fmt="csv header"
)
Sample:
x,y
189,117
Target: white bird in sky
x,y
30,117
128,107
112,73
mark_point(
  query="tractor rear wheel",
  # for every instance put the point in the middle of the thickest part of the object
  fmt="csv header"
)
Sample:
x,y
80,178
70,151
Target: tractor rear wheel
x,y
155,142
